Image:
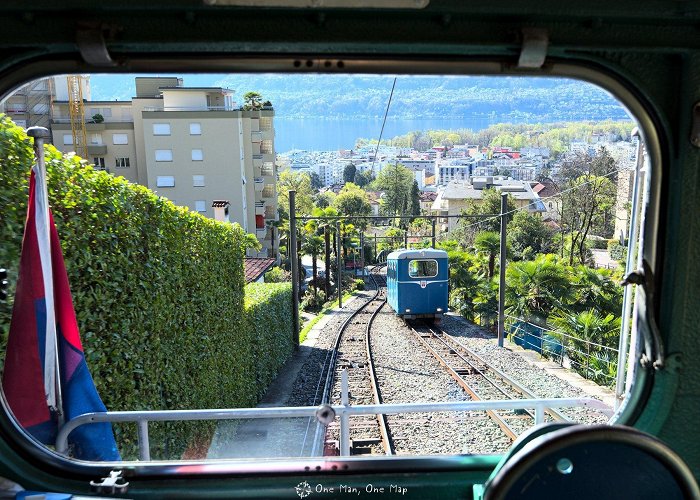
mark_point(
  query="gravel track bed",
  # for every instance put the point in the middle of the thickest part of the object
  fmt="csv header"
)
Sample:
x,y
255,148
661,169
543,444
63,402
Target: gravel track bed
x,y
538,381
409,374
306,390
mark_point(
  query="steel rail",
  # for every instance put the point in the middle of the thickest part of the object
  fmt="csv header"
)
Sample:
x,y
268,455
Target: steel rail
x,y
373,382
330,374
464,385
381,418
525,393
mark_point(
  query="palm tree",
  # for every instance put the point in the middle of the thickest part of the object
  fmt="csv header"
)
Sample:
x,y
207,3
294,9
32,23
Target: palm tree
x,y
589,332
313,245
488,242
535,288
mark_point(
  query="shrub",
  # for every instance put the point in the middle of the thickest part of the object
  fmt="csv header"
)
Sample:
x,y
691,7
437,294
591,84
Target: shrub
x,y
617,251
268,312
277,275
313,303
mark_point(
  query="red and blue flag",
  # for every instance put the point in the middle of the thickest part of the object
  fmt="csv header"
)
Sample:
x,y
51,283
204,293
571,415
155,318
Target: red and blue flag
x,y
46,379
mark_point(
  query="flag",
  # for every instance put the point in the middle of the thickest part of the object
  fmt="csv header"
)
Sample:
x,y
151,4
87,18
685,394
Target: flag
x,y
44,336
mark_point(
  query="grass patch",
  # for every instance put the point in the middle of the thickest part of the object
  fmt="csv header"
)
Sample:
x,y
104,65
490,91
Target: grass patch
x,y
326,308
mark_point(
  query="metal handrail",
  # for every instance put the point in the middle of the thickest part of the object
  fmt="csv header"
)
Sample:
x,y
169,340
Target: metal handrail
x,y
321,413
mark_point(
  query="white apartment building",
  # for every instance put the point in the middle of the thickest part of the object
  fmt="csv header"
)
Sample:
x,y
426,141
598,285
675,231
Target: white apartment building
x,y
188,144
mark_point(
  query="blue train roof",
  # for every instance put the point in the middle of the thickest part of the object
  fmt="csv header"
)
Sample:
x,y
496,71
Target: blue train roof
x,y
423,253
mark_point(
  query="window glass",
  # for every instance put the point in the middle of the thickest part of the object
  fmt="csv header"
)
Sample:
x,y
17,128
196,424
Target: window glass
x,y
120,139
423,268
161,129
180,307
164,155
165,181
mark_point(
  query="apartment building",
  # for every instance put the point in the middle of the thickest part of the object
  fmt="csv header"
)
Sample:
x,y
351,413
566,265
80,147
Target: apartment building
x,y
192,145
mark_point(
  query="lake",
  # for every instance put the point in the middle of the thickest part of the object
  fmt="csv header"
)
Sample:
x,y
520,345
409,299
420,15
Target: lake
x,y
332,134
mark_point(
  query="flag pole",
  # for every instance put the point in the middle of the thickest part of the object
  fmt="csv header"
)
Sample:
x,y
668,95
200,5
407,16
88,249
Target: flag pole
x,y
52,375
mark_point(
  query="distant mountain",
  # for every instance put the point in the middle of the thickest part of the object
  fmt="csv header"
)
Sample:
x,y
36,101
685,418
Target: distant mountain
x,y
516,99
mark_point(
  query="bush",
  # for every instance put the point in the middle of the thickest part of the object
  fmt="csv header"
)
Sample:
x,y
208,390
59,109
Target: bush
x,y
617,251
158,294
597,243
277,275
313,303
268,313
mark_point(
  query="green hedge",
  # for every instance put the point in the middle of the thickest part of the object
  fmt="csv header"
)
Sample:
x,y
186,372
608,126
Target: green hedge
x,y
268,312
158,292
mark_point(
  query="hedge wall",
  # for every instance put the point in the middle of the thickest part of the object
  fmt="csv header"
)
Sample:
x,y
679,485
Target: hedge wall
x,y
268,308
158,291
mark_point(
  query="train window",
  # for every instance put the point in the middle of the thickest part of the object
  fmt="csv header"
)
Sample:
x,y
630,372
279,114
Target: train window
x,y
172,313
423,268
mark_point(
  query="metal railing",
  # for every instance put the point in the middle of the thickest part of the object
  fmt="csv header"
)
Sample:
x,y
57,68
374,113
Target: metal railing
x,y
324,414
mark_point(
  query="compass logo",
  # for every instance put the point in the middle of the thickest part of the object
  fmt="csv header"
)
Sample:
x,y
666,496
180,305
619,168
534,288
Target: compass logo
x,y
303,489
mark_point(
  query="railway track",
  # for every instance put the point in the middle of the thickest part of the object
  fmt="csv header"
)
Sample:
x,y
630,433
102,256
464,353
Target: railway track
x,y
367,434
479,379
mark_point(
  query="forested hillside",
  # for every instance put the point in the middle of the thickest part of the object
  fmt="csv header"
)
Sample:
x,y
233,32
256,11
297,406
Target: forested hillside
x,y
513,99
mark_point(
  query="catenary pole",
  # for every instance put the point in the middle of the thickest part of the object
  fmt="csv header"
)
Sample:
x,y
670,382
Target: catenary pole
x,y
339,277
502,271
295,267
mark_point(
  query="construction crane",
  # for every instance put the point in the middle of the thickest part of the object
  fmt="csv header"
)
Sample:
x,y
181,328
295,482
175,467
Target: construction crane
x,y
77,114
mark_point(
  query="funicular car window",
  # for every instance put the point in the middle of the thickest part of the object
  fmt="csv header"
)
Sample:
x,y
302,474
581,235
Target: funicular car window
x,y
422,268
153,279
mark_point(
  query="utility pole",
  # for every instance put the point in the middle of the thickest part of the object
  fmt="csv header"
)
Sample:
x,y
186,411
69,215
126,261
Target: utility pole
x,y
434,223
295,267
502,271
340,270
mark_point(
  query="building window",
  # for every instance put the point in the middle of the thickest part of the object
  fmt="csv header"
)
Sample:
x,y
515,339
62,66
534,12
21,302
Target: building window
x,y
266,147
164,155
161,129
195,129
165,181
122,162
96,139
67,139
197,155
198,180
200,206
120,139
265,123
21,123
99,163
550,205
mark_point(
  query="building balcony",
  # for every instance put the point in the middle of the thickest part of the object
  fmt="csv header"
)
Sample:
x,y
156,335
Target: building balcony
x,y
259,184
258,161
256,136
260,232
97,149
259,208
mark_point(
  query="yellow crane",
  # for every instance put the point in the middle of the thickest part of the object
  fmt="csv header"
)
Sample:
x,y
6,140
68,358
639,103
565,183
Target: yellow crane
x,y
77,114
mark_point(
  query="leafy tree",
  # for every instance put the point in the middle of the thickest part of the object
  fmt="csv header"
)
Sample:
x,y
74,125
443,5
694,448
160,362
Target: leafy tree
x,y
528,231
415,199
349,173
316,182
595,289
363,178
301,183
397,183
352,200
490,204
252,100
464,283
324,199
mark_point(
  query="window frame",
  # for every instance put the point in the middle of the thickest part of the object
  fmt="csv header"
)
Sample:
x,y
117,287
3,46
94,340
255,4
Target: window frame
x,y
411,261
598,77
